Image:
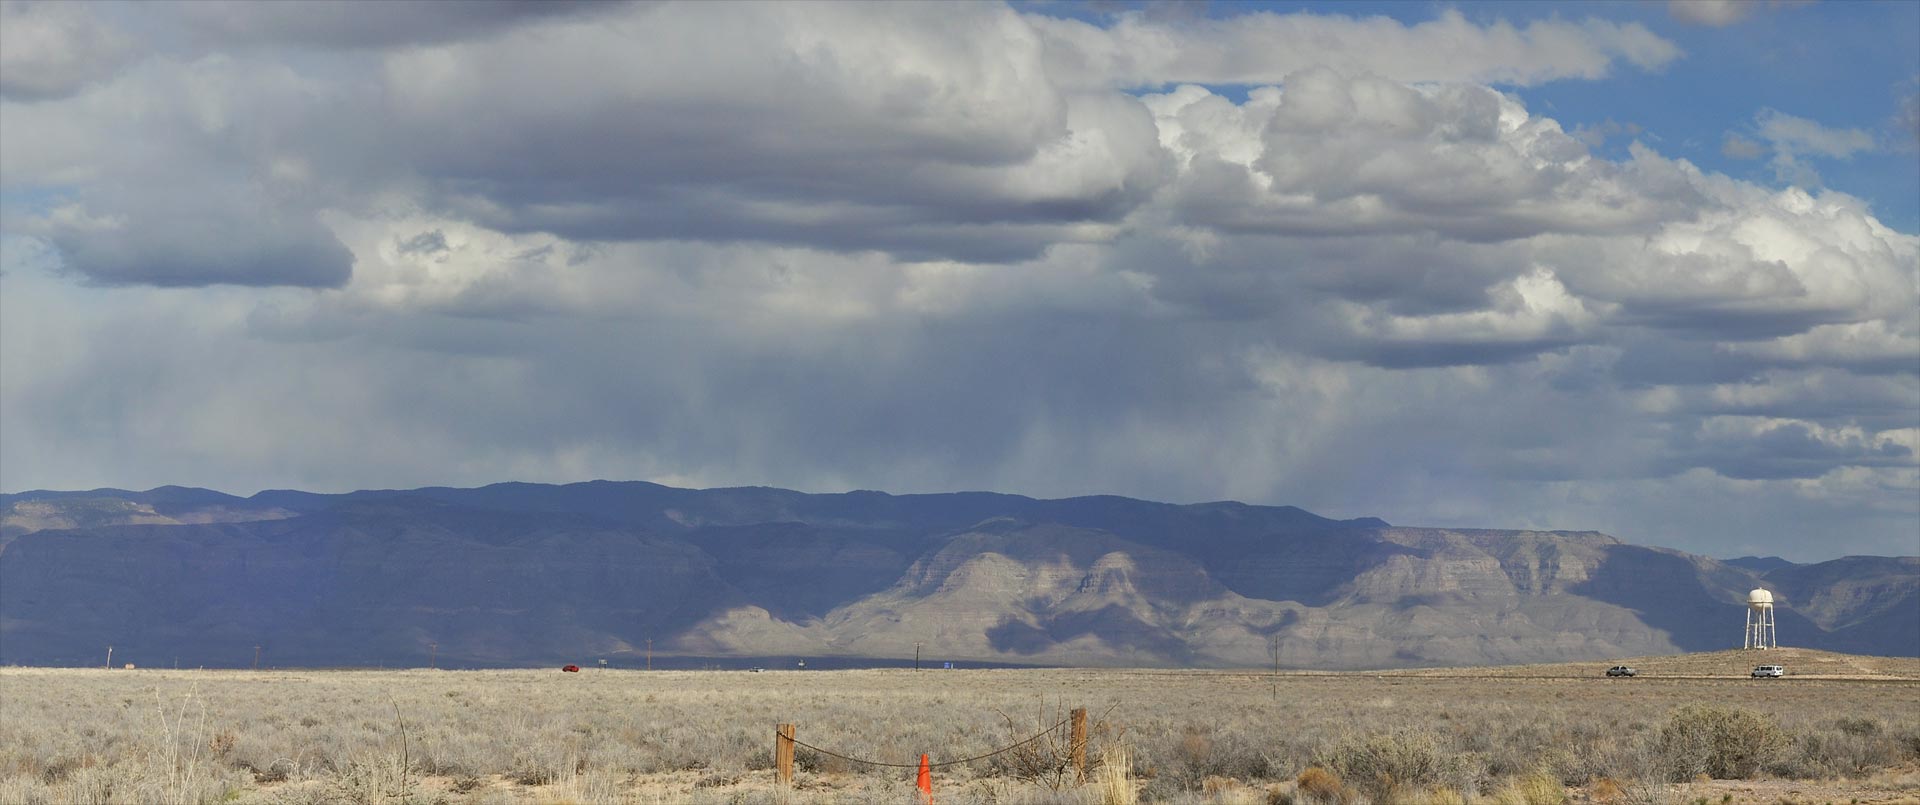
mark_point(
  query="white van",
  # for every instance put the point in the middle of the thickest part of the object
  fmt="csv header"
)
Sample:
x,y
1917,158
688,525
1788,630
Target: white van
x,y
1763,671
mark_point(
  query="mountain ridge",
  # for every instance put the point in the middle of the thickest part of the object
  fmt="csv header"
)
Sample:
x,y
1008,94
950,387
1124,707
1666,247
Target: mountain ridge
x,y
519,573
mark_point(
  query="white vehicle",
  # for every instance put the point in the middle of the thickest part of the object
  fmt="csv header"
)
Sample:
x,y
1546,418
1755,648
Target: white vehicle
x,y
1764,671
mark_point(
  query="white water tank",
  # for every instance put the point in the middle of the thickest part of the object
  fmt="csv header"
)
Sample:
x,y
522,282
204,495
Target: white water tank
x,y
1759,599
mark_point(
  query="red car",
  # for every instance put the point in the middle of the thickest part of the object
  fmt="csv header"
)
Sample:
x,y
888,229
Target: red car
x,y
571,669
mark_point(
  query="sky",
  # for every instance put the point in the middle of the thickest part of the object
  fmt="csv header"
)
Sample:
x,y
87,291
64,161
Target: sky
x,y
1641,268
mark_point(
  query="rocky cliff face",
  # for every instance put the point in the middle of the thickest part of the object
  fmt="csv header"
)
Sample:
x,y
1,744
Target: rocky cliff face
x,y
521,573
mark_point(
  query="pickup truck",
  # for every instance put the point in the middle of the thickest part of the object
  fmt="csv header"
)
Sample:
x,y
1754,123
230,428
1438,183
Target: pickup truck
x,y
1621,670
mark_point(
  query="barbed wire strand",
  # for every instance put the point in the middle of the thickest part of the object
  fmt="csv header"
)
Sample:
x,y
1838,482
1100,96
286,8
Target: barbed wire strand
x,y
1037,736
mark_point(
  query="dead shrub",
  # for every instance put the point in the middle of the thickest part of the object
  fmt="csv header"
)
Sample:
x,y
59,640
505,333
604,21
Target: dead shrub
x,y
1838,754
1388,766
1718,742
1539,788
1319,786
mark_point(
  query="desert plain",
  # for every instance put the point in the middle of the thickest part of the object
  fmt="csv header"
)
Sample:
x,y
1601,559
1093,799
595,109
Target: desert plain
x,y
1838,728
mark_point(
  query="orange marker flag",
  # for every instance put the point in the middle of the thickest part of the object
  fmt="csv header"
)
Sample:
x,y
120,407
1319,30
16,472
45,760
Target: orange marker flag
x,y
926,780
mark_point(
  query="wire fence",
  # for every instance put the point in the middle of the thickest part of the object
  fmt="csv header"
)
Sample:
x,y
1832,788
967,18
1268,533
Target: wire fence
x,y
1002,750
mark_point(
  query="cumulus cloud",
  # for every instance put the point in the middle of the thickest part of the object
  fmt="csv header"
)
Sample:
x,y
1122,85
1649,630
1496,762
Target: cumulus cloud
x,y
1344,154
924,248
53,49
1142,50
1751,264
223,184
1875,346
930,132
1527,315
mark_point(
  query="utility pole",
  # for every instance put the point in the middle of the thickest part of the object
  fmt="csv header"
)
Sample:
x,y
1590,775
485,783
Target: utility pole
x,y
916,654
256,658
433,653
109,658
649,653
1273,652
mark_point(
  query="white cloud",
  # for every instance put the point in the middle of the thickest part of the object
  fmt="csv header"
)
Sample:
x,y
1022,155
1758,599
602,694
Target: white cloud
x,y
1529,309
53,49
1792,140
1878,344
1341,154
1138,50
1799,135
1751,263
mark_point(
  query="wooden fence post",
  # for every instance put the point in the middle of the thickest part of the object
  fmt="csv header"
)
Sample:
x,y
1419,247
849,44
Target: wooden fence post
x,y
783,754
1079,742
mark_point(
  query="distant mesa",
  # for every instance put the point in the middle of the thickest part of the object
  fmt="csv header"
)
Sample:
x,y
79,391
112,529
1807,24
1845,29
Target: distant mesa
x,y
540,575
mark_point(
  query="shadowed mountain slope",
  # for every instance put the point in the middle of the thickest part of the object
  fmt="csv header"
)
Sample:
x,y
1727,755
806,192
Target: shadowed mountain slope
x,y
528,573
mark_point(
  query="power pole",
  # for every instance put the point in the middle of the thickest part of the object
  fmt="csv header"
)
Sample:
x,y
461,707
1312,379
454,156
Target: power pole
x,y
433,652
649,653
109,658
256,658
916,654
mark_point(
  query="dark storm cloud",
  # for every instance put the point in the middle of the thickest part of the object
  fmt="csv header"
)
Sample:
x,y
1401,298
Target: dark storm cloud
x,y
959,155
191,247
1748,450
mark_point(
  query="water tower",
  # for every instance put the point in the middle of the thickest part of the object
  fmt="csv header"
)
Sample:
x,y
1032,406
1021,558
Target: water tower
x,y
1760,631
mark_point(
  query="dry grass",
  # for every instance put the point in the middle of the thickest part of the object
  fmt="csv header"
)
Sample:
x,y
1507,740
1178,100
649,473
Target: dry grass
x,y
500,737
